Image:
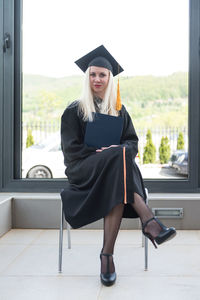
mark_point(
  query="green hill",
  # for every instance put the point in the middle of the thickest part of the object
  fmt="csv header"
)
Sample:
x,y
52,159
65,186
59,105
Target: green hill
x,y
152,101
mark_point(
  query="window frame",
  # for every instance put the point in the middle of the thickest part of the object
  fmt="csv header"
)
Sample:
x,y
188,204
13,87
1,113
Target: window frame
x,y
11,110
1,94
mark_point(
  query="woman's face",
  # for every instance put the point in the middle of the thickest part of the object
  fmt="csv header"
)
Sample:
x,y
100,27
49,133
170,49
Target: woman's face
x,y
99,78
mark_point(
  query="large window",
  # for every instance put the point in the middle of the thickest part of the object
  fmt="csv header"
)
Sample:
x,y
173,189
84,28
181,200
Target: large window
x,y
150,39
154,85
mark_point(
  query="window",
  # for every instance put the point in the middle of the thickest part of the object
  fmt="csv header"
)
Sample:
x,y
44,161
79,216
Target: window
x,y
14,121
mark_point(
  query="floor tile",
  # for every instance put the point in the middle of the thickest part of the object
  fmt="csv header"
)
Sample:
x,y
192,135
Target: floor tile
x,y
77,237
8,254
29,266
20,236
51,288
173,288
167,260
43,260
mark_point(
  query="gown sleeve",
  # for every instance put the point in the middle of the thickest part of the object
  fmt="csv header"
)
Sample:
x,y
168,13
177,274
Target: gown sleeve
x,y
129,137
71,137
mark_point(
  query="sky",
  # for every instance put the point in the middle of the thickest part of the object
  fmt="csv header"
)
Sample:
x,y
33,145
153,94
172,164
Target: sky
x,y
146,37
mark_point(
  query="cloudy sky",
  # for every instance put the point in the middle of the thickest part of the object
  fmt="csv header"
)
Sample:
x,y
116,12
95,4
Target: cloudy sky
x,y
146,36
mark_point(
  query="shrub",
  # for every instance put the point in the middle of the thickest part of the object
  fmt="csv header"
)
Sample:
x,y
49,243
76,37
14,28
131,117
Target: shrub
x,y
149,155
29,139
180,141
164,150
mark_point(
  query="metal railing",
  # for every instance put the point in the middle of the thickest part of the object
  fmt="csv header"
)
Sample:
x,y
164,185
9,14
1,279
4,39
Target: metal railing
x,y
41,130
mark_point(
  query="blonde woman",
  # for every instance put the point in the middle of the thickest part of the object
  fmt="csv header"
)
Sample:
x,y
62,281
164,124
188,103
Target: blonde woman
x,y
104,182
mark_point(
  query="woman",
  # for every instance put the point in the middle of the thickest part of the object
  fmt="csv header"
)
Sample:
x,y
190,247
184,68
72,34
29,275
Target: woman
x,y
105,182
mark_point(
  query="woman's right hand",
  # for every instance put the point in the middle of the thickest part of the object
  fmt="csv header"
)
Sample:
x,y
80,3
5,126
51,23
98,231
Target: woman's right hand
x,y
103,148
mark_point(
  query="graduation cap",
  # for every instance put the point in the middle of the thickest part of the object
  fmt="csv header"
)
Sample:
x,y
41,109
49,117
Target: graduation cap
x,y
100,57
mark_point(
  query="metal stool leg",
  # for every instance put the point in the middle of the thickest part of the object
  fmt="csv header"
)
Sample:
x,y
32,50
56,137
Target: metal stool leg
x,y
146,254
68,236
60,240
145,245
146,240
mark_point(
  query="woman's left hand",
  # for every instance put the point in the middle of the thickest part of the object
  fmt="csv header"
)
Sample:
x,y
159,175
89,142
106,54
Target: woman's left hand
x,y
103,148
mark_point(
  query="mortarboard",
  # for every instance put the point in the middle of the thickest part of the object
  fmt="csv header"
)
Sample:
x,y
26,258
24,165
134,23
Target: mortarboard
x,y
100,57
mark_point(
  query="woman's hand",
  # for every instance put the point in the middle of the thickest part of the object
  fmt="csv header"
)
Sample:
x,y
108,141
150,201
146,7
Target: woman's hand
x,y
103,148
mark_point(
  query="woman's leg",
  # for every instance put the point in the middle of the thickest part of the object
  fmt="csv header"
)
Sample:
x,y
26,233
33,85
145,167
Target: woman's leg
x,y
145,214
111,228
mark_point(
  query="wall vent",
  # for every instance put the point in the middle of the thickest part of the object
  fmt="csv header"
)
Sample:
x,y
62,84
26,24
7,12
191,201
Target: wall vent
x,y
176,213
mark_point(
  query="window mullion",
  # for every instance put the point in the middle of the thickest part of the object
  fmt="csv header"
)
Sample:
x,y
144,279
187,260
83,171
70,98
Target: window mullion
x,y
8,95
1,94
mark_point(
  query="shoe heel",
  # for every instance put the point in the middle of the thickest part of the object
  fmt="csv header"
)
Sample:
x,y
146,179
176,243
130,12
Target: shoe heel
x,y
151,239
153,242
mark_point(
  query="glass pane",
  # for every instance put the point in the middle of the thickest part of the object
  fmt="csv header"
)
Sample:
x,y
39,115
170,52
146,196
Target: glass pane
x,y
150,40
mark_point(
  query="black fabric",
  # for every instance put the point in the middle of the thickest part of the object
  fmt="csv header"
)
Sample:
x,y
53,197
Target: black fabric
x,y
96,179
101,62
99,57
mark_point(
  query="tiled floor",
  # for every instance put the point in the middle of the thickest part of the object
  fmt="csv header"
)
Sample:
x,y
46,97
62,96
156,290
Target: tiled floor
x,y
29,267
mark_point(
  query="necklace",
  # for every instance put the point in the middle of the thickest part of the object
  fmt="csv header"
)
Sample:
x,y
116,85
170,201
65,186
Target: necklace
x,y
97,103
98,100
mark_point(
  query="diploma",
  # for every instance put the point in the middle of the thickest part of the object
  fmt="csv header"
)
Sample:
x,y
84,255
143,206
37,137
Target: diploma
x,y
103,131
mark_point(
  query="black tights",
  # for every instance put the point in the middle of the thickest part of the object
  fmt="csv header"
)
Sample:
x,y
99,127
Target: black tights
x,y
112,224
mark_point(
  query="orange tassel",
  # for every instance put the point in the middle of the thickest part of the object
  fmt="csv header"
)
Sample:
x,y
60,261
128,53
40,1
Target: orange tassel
x,y
118,102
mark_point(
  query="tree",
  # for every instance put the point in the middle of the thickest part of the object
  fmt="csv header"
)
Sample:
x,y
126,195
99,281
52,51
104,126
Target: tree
x,y
149,155
164,150
29,139
49,104
180,141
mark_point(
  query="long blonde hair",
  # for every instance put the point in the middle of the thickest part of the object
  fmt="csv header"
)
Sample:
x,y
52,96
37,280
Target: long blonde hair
x,y
86,102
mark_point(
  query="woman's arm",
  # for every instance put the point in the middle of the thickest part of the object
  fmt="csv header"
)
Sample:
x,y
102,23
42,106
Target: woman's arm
x,y
71,137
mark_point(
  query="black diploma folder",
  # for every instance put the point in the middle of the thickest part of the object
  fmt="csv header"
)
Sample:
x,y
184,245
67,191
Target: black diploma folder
x,y
103,131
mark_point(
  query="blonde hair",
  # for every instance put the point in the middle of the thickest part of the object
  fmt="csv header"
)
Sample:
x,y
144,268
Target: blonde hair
x,y
86,102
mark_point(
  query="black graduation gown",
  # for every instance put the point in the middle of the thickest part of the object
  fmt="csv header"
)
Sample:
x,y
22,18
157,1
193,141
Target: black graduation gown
x,y
98,181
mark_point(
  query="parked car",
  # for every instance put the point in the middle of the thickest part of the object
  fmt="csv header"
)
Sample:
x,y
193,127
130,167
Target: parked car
x,y
174,157
181,165
44,160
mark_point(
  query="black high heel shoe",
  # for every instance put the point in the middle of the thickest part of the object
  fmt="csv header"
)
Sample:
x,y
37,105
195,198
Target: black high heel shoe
x,y
107,278
166,233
